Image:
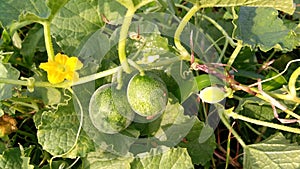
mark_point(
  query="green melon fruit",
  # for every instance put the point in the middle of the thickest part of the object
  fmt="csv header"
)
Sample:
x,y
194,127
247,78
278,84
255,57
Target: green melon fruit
x,y
147,95
104,113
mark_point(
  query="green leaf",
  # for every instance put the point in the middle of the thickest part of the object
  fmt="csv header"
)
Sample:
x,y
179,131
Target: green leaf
x,y
283,5
130,4
174,125
112,11
163,158
32,42
12,158
95,48
261,27
49,95
200,152
206,80
78,20
126,3
275,83
55,5
57,132
101,160
275,152
11,10
255,108
9,72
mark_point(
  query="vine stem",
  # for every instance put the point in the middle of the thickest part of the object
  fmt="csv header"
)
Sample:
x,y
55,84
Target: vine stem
x,y
65,84
235,53
229,127
180,28
84,79
48,41
292,82
220,28
124,31
277,104
122,40
262,123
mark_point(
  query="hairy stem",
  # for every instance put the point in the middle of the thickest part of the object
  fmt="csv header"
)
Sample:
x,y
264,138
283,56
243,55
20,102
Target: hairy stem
x,y
48,41
180,28
234,54
122,40
292,82
263,123
229,127
65,84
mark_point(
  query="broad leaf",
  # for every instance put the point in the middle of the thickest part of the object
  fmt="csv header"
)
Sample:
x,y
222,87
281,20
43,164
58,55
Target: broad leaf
x,y
9,72
133,3
200,152
261,112
57,132
55,5
33,41
13,158
101,160
275,83
261,27
283,5
174,125
95,48
79,19
206,80
162,158
255,108
12,9
275,152
112,11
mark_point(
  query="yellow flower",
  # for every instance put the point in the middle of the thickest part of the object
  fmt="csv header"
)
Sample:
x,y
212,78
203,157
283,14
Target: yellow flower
x,y
63,67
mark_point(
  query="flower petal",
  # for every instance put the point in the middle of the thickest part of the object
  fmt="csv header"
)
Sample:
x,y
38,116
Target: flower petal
x,y
62,68
48,65
72,76
61,58
73,64
55,77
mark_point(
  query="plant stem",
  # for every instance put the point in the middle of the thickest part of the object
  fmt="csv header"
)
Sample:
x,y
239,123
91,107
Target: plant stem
x,y
180,28
138,67
220,28
286,97
24,133
122,41
263,123
48,41
228,147
99,75
234,54
228,126
65,84
271,100
292,82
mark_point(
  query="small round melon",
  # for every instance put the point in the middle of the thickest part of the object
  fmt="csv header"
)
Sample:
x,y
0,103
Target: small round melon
x,y
147,95
105,116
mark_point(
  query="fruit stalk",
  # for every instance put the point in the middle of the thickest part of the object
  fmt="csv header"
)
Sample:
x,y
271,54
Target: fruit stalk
x,y
122,40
